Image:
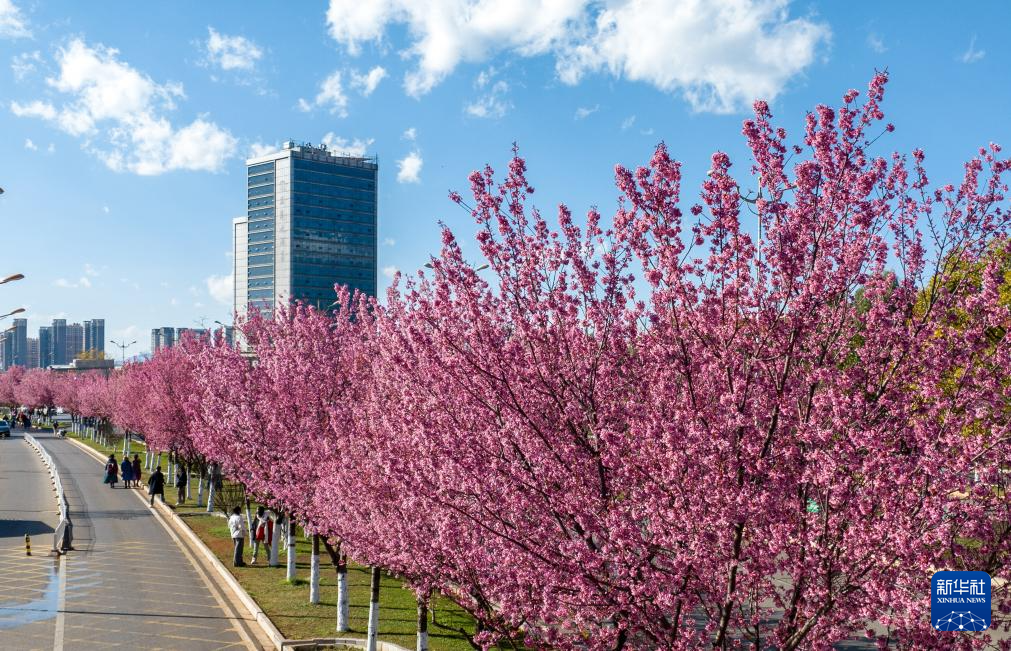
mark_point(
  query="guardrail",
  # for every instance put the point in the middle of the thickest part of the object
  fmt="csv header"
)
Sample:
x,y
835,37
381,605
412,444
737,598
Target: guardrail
x,y
63,537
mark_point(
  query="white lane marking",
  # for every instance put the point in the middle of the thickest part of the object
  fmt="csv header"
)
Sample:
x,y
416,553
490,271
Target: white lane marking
x,y
61,605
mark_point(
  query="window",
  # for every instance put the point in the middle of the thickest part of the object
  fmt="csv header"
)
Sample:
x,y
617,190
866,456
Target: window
x,y
261,168
263,201
260,179
261,259
260,190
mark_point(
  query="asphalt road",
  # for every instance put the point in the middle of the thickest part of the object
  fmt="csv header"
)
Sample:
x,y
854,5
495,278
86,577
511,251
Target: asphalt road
x,y
127,584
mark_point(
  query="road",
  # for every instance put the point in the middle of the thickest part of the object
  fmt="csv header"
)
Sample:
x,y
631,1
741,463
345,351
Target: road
x,y
128,583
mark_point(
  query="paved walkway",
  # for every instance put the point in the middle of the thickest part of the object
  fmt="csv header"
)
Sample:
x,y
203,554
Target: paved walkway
x,y
128,583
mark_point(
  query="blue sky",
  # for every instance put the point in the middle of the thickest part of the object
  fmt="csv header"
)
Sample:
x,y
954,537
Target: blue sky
x,y
124,125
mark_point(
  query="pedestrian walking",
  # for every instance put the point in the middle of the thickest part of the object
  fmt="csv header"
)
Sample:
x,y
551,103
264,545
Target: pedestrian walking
x,y
111,471
136,470
156,485
238,531
264,532
126,470
182,477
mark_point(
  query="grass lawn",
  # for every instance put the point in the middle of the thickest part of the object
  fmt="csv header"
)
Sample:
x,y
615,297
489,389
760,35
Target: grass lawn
x,y
287,604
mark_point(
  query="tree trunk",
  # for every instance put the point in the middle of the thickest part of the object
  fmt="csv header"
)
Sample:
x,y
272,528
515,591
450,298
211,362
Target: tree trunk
x,y
200,489
275,540
340,564
314,571
210,494
422,624
290,552
373,632
249,523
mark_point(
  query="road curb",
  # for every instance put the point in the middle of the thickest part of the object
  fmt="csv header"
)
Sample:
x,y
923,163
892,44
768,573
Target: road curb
x,y
174,523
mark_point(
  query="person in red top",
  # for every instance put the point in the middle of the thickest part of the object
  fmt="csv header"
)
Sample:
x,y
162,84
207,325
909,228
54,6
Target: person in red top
x,y
264,532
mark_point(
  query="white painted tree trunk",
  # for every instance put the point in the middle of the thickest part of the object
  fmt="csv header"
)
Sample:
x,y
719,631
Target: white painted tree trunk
x,y
343,608
422,625
373,632
249,525
189,482
126,444
314,571
200,491
210,495
275,541
290,551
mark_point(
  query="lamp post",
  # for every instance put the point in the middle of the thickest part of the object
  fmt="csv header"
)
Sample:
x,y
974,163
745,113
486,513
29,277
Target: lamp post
x,y
12,313
122,347
11,278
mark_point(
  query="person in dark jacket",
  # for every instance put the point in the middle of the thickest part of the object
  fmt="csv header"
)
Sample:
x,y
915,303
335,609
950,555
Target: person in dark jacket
x,y
136,470
111,471
156,485
126,469
182,477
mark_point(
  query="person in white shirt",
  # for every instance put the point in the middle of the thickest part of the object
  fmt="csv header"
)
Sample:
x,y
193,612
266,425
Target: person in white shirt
x,y
238,531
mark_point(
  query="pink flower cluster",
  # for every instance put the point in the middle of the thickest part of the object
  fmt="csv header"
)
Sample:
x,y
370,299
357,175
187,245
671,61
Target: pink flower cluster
x,y
763,421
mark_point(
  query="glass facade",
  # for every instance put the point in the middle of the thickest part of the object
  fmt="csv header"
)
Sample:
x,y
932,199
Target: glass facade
x,y
312,220
260,238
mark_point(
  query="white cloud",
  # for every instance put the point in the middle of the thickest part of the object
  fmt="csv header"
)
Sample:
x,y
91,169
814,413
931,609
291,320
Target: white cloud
x,y
330,96
972,55
389,241
354,148
492,104
24,64
119,113
31,145
584,112
390,271
876,43
231,52
258,149
12,23
410,168
34,109
90,270
105,209
367,83
410,134
220,288
750,49
82,282
627,123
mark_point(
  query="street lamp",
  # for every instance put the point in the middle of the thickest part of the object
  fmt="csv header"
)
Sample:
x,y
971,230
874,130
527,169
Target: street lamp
x,y
12,313
122,348
12,278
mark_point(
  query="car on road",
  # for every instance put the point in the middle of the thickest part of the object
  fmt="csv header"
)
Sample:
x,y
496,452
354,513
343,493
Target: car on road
x,y
5,429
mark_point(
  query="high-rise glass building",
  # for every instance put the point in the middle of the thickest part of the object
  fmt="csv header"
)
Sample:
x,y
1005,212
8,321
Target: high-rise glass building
x,y
94,335
45,346
310,224
162,338
58,342
19,343
75,341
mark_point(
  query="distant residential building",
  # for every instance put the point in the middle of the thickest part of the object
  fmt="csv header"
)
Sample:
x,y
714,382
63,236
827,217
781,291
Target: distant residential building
x,y
6,349
195,333
45,346
58,342
162,338
19,343
33,353
310,223
94,335
75,341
